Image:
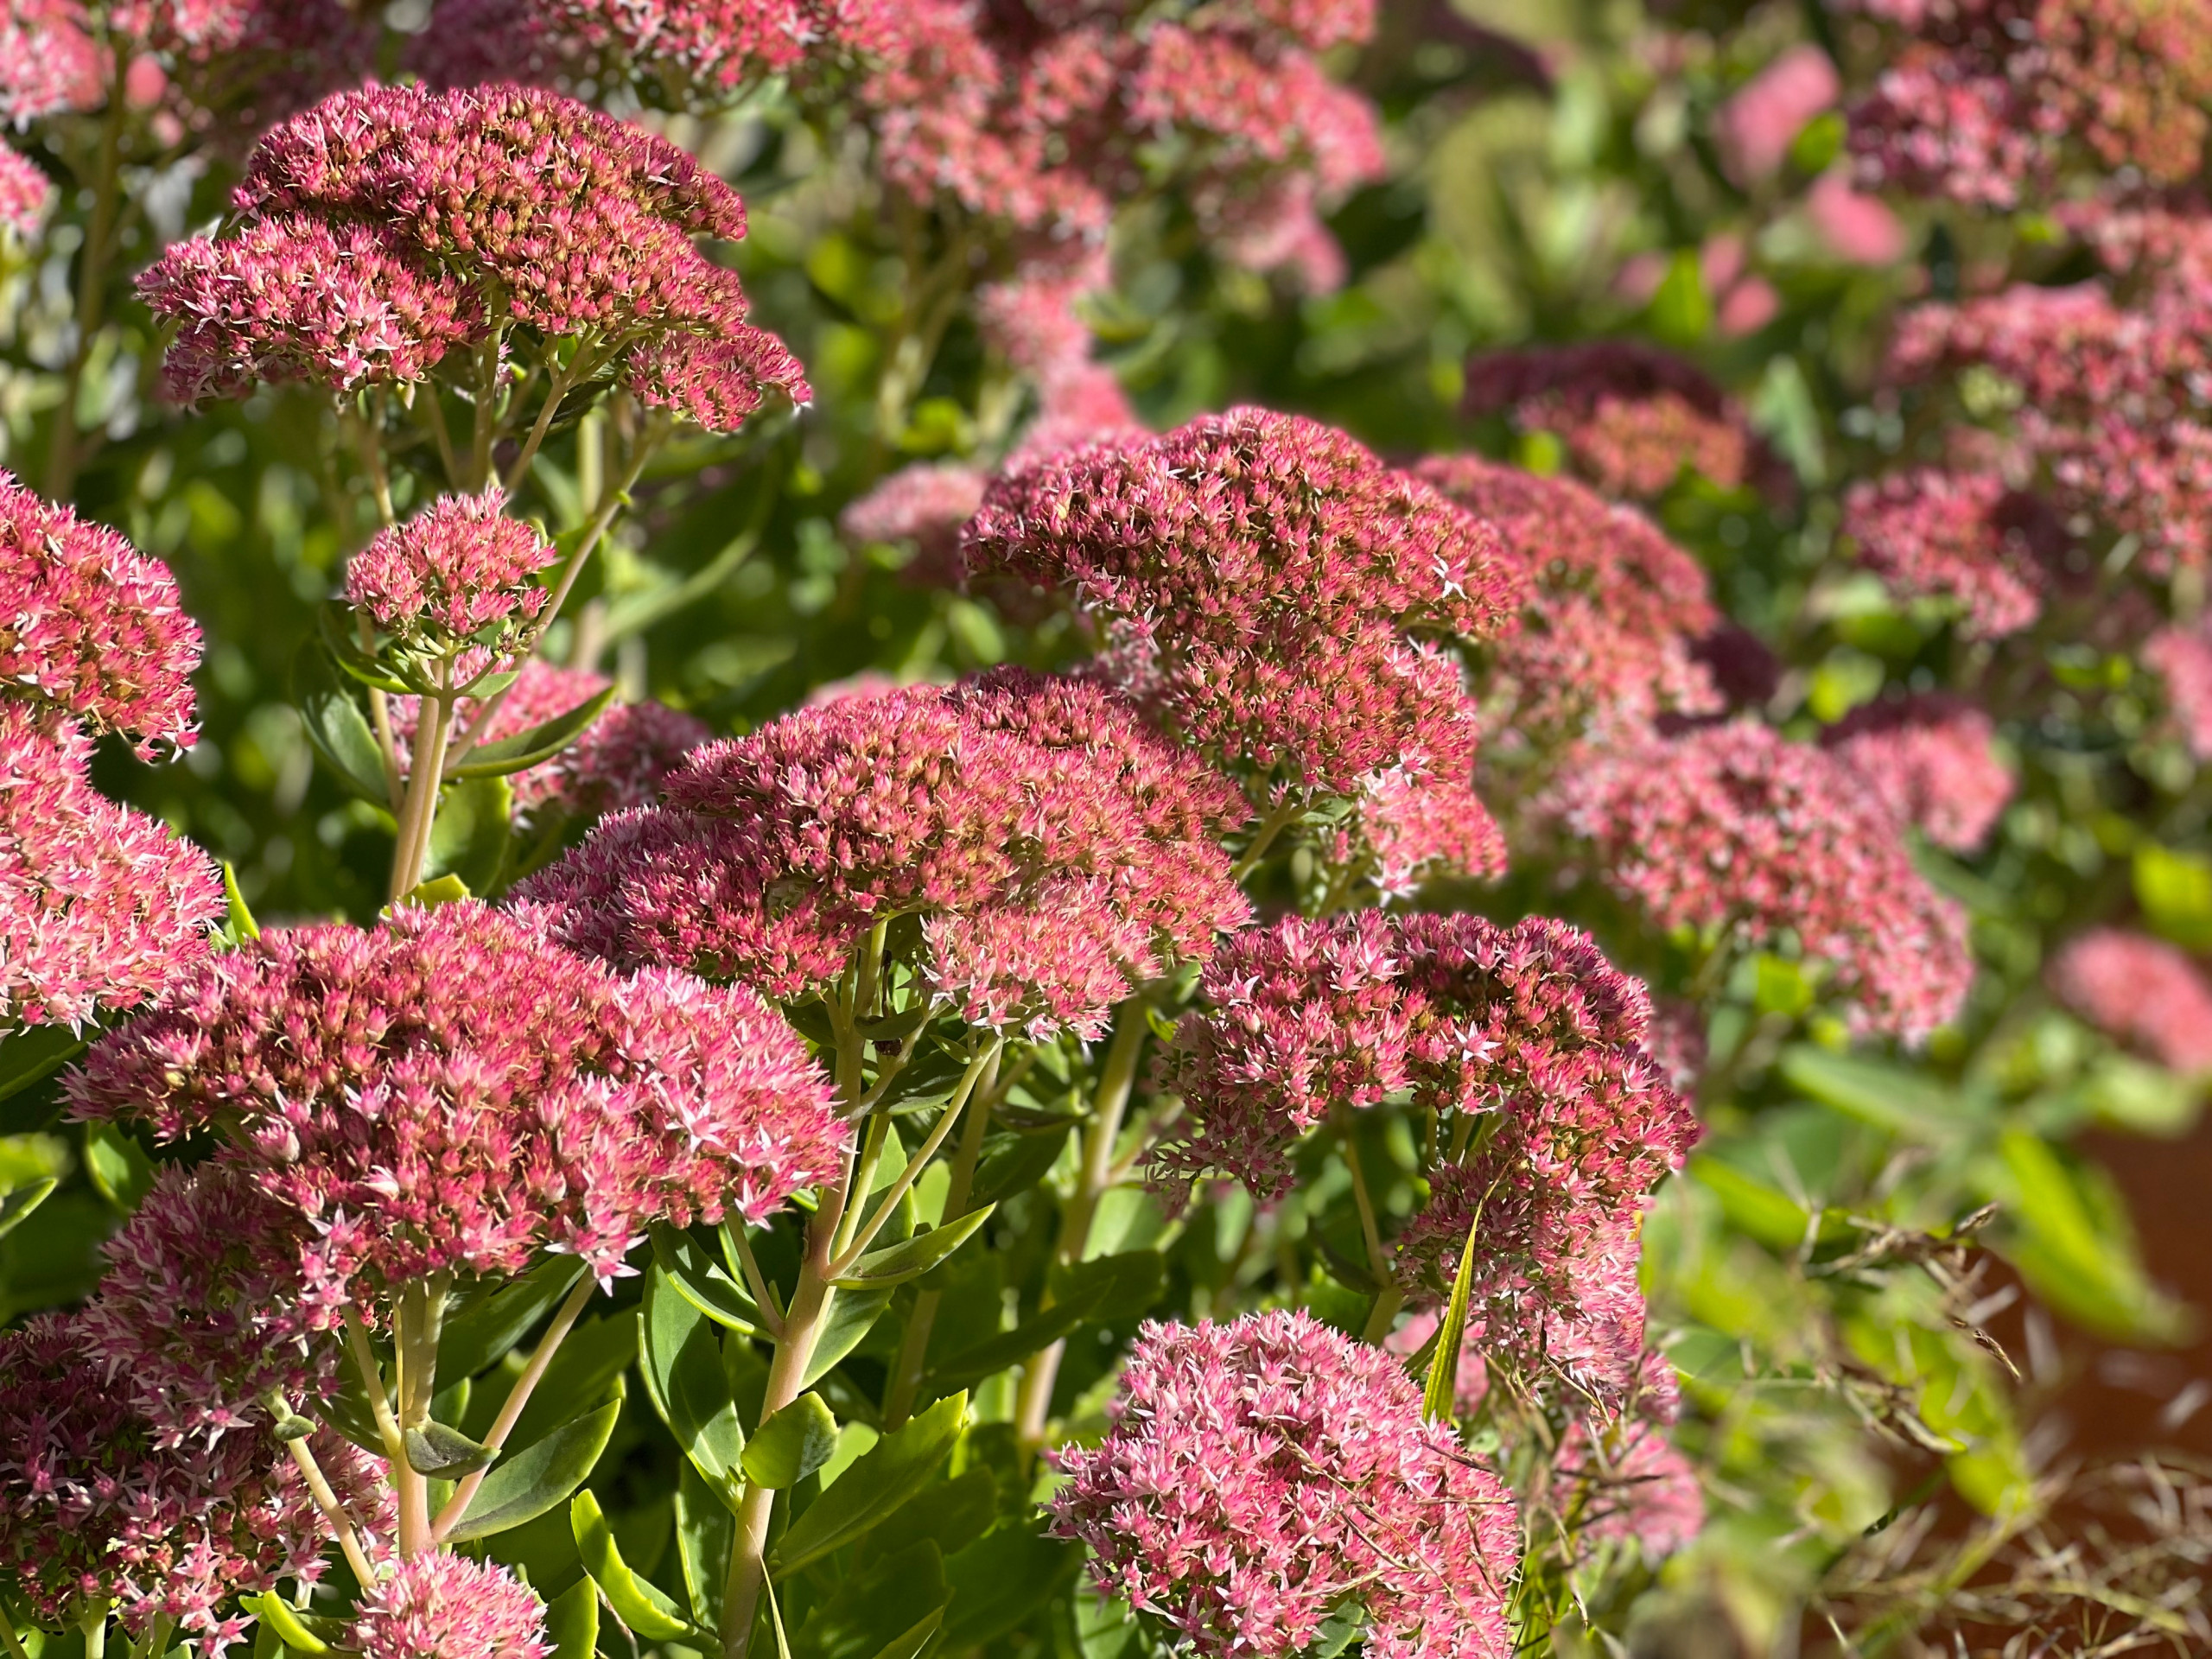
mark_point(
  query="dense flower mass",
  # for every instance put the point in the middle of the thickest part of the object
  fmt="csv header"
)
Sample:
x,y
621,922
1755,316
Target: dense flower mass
x,y
1627,1483
49,61
1267,583
90,625
1929,758
449,214
1735,831
1965,536
1259,1473
456,571
1613,612
101,907
1631,417
1056,851
25,194
1457,1012
617,763
443,1605
94,1507
450,1092
2141,990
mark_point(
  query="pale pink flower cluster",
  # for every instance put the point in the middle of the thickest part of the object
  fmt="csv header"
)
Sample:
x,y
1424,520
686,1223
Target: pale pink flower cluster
x,y
1261,1474
1057,851
1613,608
92,626
1456,1013
48,61
2139,990
1270,588
95,1507
196,1318
1754,129
1631,417
448,1091
1929,758
459,570
100,907
926,504
1988,99
1856,227
1408,826
2111,410
25,194
443,1605
2182,656
1959,535
474,209
1734,829
1626,1483
618,763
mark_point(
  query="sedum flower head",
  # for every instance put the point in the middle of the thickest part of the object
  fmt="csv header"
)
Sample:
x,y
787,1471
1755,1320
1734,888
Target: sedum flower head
x,y
1055,851
1455,1013
1930,758
95,1506
2139,990
1269,584
1955,535
458,570
1754,129
48,61
101,908
1626,1483
443,1605
926,505
2182,656
1734,828
1261,1474
25,194
1613,608
90,625
450,1092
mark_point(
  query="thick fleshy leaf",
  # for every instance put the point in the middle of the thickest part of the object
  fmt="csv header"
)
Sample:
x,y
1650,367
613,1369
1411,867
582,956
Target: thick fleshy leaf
x,y
791,1444
895,1468
526,1484
335,725
642,1607
535,744
915,1257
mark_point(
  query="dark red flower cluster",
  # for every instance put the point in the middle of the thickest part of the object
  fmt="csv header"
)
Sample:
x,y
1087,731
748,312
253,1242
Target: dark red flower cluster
x,y
384,228
1270,589
1056,852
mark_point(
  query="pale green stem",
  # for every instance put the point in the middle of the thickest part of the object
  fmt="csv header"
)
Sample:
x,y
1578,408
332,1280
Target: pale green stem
x,y
1116,1080
912,1173
511,1411
95,1628
557,386
8,1634
326,1499
418,813
1264,838
763,1293
411,1488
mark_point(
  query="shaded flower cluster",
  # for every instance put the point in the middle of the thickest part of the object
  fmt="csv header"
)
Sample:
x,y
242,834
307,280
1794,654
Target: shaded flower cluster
x,y
95,1507
618,762
926,505
1267,584
1261,1474
1734,830
1528,1023
1929,759
1055,851
1632,418
460,570
1613,608
450,1092
443,1605
454,213
2141,990
90,625
100,907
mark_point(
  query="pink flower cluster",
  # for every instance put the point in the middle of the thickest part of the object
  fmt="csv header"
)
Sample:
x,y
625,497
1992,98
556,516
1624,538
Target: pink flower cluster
x,y
2182,656
96,1507
1625,1483
450,1092
618,763
1261,1474
2110,414
451,213
926,504
1988,98
1612,611
90,625
1408,826
460,570
1929,759
1959,535
2141,990
1456,1013
25,194
100,907
1266,582
49,61
1754,129
1056,851
1632,418
443,1605
1734,830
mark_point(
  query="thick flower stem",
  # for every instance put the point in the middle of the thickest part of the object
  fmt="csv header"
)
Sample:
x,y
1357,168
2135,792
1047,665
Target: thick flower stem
x,y
326,1499
418,812
411,1490
1117,1081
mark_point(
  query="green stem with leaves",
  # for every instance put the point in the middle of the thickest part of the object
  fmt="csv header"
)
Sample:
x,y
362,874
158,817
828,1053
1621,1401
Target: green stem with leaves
x,y
510,1410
